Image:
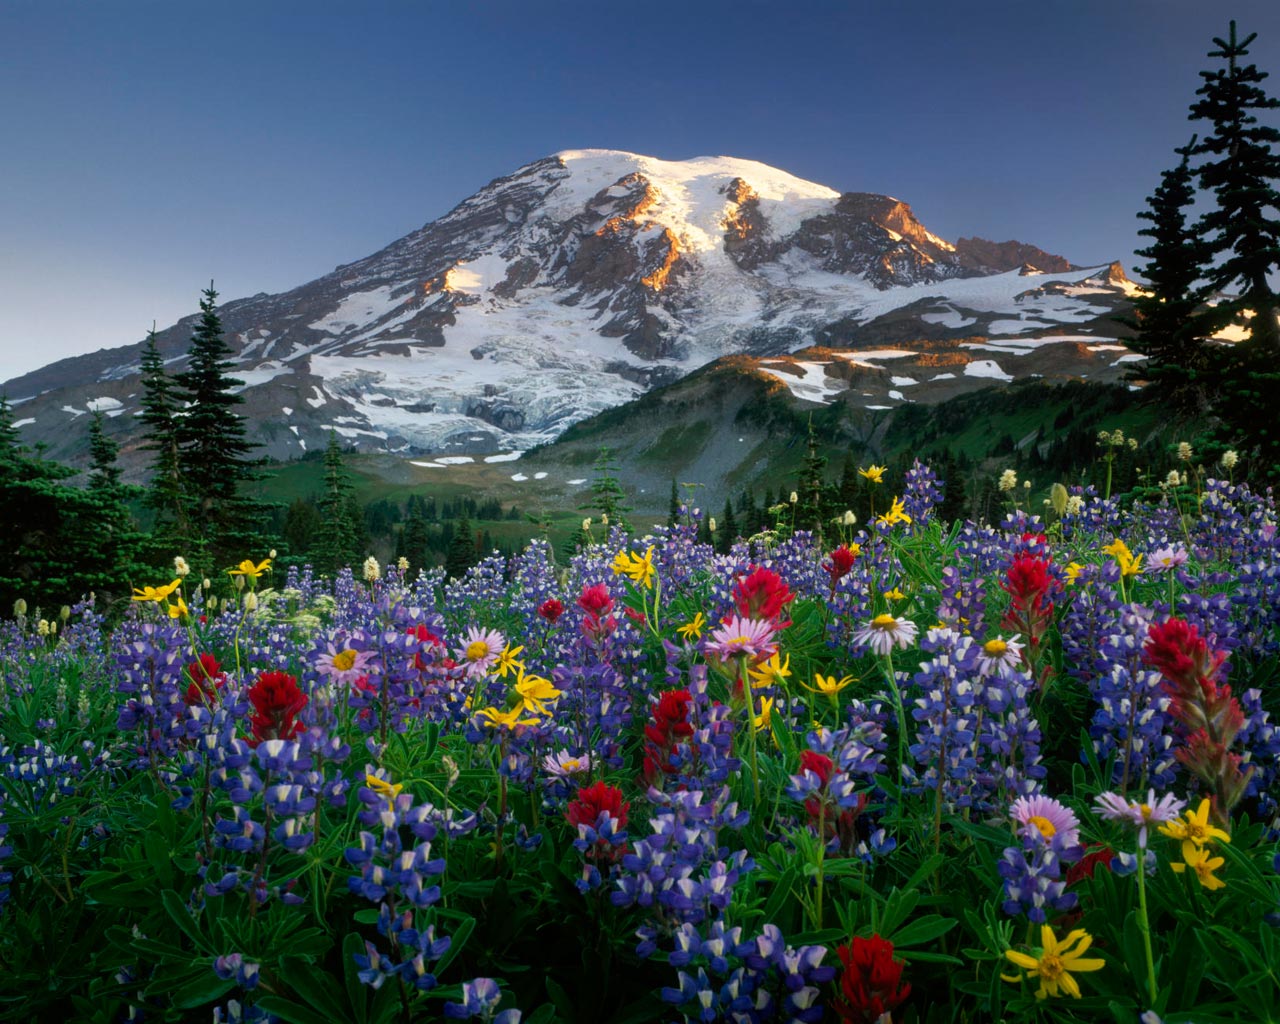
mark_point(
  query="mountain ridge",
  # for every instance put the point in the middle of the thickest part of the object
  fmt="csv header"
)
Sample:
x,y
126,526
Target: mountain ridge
x,y
576,283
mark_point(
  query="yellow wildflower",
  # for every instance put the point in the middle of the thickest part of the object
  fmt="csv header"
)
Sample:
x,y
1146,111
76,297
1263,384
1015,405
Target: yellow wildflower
x,y
639,568
897,514
1056,962
382,787
1199,861
178,609
1130,564
771,672
507,661
828,686
156,594
692,630
535,692
1074,569
875,474
895,595
764,720
495,717
1196,830
247,568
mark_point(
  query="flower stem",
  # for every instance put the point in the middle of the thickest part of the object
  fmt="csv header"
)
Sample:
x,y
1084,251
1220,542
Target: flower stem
x,y
751,728
1144,925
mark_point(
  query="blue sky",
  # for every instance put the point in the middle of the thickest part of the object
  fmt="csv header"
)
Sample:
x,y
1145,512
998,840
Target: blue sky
x,y
151,146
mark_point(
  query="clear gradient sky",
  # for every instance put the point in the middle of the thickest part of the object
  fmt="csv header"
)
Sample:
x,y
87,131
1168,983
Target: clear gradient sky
x,y
153,145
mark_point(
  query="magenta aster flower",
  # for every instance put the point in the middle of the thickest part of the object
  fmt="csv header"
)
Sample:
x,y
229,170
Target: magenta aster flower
x,y
1166,559
742,636
481,651
562,764
1046,817
1140,815
885,632
343,666
999,657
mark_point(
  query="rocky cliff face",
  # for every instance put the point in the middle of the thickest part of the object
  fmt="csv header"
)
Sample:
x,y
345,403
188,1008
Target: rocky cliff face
x,y
573,285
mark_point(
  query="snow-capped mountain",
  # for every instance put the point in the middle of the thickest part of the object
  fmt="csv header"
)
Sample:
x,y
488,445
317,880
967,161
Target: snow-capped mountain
x,y
576,283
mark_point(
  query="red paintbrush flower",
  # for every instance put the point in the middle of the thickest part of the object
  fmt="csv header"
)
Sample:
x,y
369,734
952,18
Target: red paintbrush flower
x,y
869,985
670,725
276,702
551,609
762,594
839,563
598,605
595,799
207,679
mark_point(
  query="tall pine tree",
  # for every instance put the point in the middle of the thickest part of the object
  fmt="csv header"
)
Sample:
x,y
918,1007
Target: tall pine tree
x,y
1242,171
336,542
165,495
214,447
1169,333
1243,230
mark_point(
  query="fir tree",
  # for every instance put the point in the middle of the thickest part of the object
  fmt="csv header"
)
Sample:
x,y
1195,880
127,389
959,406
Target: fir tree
x,y
335,546
673,510
1243,230
607,496
1168,331
1241,171
728,529
165,495
214,446
301,526
811,507
416,539
462,551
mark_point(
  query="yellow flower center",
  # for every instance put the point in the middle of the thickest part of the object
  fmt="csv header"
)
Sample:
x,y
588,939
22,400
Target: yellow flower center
x,y
343,660
885,622
1044,825
1196,832
476,650
1146,811
1051,967
740,640
995,648
572,765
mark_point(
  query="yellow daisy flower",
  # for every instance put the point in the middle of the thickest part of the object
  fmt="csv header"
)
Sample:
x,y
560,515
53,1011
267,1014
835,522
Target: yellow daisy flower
x,y
771,672
897,514
692,630
247,568
1196,830
1199,861
156,594
1056,962
638,568
875,474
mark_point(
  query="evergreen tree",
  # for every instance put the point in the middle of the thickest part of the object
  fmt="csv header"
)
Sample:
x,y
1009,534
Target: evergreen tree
x,y
810,509
165,495
416,539
1169,333
214,447
1243,231
335,546
728,529
104,474
607,496
462,550
673,510
1242,172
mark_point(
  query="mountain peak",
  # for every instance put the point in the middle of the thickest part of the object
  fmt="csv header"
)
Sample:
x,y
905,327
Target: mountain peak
x,y
572,285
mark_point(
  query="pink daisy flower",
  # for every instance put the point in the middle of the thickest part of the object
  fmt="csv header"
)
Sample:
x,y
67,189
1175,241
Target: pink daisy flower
x,y
1140,815
742,636
1046,817
999,657
885,632
481,651
1167,558
562,764
344,666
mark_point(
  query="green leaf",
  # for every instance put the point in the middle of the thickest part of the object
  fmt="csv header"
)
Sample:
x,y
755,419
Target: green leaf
x,y
176,908
458,939
352,947
201,990
291,1011
922,929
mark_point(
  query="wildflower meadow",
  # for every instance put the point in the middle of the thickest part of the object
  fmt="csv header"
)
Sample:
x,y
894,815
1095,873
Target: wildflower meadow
x,y
903,771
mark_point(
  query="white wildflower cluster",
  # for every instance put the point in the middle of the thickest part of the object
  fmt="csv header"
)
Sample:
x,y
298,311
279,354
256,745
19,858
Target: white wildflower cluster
x,y
372,570
1008,481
